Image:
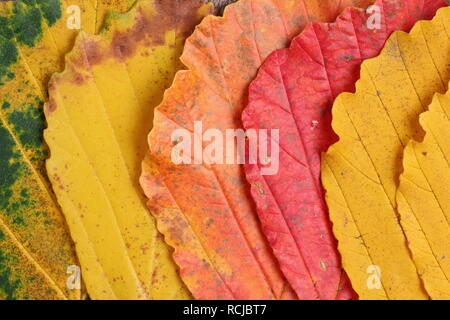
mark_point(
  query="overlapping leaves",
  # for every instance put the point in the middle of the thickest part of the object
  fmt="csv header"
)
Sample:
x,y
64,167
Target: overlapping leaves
x,y
293,92
423,201
35,246
361,172
205,211
99,115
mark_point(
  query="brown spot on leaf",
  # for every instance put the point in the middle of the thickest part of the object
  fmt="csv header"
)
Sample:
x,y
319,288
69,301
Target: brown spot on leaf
x,y
93,54
50,106
152,30
78,79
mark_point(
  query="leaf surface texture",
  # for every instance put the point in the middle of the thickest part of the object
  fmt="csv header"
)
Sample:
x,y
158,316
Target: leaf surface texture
x,y
361,172
99,114
293,92
35,245
423,201
205,211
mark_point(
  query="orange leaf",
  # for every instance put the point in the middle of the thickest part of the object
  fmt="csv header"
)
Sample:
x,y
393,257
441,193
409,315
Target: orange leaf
x,y
205,211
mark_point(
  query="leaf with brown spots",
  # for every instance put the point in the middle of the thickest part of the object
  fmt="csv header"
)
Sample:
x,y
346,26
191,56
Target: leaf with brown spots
x,y
99,115
205,211
35,246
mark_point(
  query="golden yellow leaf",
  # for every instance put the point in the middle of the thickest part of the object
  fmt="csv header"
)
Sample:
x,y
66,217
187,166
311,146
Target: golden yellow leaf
x,y
35,246
99,115
360,173
423,198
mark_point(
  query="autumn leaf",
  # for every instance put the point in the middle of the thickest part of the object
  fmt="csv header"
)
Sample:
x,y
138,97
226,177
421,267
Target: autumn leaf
x,y
35,246
423,201
294,91
98,117
360,173
205,211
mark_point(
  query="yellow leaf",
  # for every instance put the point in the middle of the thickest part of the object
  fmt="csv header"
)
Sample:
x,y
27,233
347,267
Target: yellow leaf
x,y
423,198
361,171
99,115
36,251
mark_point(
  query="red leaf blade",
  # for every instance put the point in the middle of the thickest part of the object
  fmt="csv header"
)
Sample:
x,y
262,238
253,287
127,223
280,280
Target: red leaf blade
x,y
205,211
294,92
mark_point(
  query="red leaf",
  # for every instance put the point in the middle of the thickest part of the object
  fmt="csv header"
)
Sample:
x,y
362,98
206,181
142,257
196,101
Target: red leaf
x,y
294,92
205,211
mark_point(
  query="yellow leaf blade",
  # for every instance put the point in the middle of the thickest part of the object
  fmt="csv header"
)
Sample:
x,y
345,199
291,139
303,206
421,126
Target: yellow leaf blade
x,y
36,252
361,171
35,246
99,115
423,201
